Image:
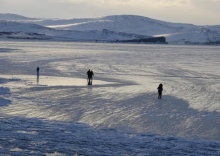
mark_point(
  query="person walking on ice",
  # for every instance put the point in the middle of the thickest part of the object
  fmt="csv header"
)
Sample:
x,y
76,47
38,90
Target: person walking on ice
x,y
160,89
90,75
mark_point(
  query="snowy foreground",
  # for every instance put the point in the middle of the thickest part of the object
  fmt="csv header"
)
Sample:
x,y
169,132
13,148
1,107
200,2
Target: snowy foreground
x,y
120,114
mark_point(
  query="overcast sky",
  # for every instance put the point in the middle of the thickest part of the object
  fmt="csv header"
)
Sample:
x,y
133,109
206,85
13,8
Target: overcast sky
x,y
199,12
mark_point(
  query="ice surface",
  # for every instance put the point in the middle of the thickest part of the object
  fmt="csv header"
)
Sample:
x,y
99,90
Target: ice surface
x,y
55,81
120,114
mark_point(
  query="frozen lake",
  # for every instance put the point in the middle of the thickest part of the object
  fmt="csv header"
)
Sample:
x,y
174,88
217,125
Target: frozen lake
x,y
122,99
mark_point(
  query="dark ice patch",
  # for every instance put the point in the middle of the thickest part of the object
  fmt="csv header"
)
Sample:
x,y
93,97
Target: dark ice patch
x,y
2,80
4,50
4,102
4,91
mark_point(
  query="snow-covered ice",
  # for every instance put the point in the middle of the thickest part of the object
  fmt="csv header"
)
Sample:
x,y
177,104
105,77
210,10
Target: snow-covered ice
x,y
120,113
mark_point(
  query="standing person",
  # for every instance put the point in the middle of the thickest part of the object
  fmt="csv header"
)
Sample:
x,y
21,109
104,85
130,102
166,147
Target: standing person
x,y
160,89
38,73
90,74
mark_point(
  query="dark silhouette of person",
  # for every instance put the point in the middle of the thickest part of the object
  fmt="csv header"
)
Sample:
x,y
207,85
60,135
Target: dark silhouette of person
x,y
160,89
38,73
90,75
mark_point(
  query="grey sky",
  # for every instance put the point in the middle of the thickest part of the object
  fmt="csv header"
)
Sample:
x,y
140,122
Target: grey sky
x,y
200,12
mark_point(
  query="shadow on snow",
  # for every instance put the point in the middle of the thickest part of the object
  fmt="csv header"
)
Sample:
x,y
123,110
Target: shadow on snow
x,y
23,136
4,91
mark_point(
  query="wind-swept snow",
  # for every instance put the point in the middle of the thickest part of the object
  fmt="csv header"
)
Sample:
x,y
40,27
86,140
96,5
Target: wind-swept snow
x,y
120,114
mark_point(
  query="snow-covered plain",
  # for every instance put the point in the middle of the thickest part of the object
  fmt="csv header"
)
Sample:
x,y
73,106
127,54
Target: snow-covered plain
x,y
120,114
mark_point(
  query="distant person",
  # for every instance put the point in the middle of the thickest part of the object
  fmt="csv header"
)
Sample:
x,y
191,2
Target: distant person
x,y
90,75
38,73
160,90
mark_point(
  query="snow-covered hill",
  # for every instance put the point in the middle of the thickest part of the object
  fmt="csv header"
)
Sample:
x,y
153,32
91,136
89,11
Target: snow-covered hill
x,y
174,32
14,17
23,30
122,23
135,26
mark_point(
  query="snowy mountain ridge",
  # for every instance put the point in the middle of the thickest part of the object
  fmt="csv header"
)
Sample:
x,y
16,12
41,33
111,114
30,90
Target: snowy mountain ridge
x,y
142,27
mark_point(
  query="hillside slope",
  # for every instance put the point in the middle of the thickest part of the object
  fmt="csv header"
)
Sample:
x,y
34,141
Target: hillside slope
x,y
14,17
176,33
19,30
